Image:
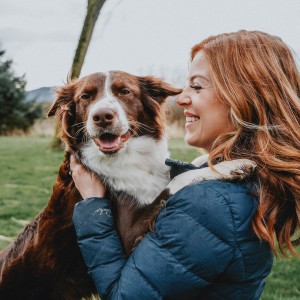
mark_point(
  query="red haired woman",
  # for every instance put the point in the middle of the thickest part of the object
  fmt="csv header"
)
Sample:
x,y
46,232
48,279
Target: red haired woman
x,y
214,239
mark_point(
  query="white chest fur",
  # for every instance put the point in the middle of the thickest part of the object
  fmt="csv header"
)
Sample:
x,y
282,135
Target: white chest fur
x,y
138,170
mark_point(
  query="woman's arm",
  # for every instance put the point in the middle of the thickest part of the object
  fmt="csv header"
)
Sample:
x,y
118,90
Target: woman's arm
x,y
178,260
99,242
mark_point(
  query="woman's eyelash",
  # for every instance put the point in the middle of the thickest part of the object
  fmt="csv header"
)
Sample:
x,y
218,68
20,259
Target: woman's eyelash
x,y
196,87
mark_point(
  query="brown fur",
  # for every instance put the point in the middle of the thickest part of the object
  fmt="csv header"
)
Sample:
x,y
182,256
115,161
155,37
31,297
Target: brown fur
x,y
45,262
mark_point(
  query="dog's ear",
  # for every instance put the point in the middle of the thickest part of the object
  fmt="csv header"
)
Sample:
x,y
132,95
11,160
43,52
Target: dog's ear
x,y
157,89
64,108
63,100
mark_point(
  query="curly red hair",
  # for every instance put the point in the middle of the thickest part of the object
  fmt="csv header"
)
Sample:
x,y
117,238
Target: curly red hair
x,y
256,75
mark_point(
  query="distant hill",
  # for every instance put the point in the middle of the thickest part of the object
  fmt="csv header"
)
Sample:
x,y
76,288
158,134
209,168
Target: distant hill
x,y
47,95
41,95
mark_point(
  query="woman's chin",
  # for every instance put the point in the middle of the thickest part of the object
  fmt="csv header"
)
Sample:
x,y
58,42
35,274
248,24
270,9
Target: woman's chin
x,y
194,141
191,141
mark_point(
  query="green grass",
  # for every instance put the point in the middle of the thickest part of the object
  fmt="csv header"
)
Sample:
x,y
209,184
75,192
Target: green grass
x,y
28,168
179,150
27,172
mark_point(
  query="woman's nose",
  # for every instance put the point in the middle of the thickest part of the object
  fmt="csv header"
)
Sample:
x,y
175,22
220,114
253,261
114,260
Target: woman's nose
x,y
184,99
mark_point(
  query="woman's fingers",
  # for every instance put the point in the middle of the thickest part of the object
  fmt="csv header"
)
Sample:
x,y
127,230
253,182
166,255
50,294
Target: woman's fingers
x,y
86,182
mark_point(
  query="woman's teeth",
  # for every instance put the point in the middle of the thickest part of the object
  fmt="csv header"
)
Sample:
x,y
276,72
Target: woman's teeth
x,y
191,119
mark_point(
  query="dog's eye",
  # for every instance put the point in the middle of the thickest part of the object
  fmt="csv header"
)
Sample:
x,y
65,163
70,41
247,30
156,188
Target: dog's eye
x,y
124,92
85,97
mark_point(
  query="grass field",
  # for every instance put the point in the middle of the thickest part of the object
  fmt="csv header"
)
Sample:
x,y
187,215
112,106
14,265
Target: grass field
x,y
27,172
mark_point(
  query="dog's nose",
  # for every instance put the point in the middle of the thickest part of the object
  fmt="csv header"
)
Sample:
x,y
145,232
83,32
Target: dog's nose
x,y
104,117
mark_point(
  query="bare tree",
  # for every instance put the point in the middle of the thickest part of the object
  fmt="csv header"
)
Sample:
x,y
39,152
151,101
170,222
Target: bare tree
x,y
93,11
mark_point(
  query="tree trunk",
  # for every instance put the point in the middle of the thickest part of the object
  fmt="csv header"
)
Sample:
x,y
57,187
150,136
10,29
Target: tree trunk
x,y
93,10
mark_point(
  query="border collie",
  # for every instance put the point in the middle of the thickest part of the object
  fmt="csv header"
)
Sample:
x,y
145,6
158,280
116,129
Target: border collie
x,y
113,124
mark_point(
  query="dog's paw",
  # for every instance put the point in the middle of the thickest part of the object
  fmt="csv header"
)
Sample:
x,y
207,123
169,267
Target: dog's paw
x,y
236,169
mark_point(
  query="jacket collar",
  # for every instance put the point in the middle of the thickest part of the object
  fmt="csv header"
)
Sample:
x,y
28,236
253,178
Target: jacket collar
x,y
178,167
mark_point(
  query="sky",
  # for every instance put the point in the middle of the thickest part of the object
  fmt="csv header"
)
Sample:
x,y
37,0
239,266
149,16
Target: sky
x,y
142,37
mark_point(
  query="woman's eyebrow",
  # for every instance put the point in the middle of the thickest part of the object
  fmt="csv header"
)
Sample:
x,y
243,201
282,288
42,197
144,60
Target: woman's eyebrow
x,y
199,76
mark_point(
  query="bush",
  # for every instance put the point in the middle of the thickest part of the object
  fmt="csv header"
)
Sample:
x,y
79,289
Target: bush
x,y
16,112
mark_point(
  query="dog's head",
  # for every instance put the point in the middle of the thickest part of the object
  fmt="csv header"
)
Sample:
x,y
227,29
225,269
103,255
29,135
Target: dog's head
x,y
110,109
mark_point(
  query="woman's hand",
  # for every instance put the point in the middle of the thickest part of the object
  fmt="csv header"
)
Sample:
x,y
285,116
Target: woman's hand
x,y
86,183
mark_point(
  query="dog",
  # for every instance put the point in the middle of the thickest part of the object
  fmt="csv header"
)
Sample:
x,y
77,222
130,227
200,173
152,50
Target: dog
x,y
113,124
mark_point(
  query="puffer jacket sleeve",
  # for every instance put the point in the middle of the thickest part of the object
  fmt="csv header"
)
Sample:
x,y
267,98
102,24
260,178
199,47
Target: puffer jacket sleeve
x,y
190,247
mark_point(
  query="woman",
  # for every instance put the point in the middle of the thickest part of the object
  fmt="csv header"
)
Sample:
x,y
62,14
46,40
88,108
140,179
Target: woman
x,y
214,239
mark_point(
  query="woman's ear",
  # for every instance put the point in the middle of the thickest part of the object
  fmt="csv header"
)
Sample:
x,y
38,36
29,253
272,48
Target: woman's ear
x,y
157,89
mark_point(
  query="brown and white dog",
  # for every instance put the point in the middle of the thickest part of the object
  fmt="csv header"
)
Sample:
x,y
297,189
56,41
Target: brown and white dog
x,y
113,124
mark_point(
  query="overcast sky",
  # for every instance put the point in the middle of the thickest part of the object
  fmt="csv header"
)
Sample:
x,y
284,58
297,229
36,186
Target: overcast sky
x,y
138,36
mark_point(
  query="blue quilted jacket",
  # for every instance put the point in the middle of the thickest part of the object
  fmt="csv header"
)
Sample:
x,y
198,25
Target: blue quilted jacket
x,y
203,247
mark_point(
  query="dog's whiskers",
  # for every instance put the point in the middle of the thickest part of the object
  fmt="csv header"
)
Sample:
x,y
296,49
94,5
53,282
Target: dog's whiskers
x,y
142,125
79,130
85,137
77,124
134,132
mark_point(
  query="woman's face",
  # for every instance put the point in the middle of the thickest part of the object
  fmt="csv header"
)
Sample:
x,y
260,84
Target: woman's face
x,y
206,116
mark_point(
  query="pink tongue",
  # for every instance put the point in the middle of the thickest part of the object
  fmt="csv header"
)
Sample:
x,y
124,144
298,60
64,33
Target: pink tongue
x,y
109,141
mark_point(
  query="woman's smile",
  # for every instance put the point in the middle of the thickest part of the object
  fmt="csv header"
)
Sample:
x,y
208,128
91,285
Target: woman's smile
x,y
190,118
200,99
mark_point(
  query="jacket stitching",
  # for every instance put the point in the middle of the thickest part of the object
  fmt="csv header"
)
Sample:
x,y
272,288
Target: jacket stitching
x,y
234,226
154,288
183,266
198,223
206,228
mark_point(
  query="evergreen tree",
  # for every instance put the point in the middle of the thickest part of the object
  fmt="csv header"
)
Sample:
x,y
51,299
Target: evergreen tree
x,y
15,111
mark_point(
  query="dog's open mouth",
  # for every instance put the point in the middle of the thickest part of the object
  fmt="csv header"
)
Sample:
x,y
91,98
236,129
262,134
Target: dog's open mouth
x,y
109,143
